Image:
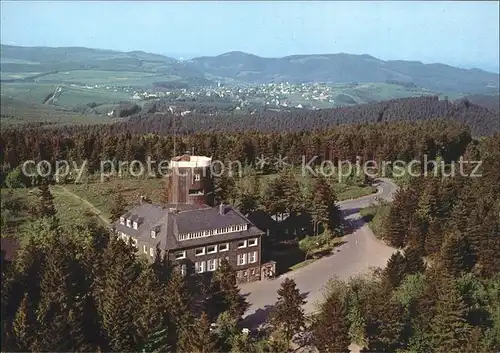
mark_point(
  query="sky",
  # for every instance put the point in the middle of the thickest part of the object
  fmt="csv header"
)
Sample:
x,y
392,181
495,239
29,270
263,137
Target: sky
x,y
464,34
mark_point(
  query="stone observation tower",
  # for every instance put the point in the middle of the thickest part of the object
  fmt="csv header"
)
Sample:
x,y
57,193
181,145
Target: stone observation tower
x,y
190,180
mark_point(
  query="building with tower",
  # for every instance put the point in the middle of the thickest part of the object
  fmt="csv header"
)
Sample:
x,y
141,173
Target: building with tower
x,y
193,232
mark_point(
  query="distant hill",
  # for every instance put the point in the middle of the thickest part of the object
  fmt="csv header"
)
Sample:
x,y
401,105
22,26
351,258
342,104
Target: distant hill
x,y
43,60
241,67
490,102
342,68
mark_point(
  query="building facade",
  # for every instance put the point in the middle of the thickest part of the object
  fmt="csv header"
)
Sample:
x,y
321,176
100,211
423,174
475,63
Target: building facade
x,y
190,180
190,231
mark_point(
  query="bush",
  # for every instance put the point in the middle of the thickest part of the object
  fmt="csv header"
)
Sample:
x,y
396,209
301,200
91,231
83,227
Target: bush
x,y
15,179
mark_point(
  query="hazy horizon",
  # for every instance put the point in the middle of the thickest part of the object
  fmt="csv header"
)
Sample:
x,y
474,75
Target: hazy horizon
x,y
462,34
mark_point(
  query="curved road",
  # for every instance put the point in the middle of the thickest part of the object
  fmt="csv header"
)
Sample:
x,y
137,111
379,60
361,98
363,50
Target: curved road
x,y
361,252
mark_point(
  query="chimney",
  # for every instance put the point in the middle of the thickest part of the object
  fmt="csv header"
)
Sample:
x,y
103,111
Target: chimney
x,y
222,209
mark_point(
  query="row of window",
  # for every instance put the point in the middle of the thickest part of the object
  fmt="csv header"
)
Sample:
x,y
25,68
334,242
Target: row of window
x,y
212,264
204,266
240,274
208,233
213,249
243,259
135,225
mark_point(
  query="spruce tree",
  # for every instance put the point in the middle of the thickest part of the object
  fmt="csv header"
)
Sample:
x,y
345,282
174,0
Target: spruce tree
x,y
330,328
60,314
414,262
118,304
395,270
273,198
291,189
46,206
288,313
201,339
321,202
225,189
395,230
152,316
434,238
385,324
455,254
449,327
226,292
119,207
428,203
25,325
178,307
157,342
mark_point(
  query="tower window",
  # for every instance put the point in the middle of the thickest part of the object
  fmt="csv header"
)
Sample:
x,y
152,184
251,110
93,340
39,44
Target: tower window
x,y
196,192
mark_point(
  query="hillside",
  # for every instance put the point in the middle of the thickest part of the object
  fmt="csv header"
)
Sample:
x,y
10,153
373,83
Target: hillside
x,y
342,68
490,102
31,63
481,121
28,64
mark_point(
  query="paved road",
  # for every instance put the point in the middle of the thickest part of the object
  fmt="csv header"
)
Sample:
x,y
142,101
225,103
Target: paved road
x,y
361,252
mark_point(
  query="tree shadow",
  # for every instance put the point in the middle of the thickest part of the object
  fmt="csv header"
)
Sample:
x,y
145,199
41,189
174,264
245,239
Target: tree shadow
x,y
258,319
349,211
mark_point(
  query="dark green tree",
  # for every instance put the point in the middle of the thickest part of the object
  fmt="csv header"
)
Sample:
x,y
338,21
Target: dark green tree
x,y
60,312
178,306
330,328
15,179
25,325
395,270
152,316
288,313
395,230
455,254
118,304
119,206
414,262
449,328
226,293
46,206
201,338
385,324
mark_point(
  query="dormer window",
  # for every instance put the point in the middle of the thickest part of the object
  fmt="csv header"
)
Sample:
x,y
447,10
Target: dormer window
x,y
128,223
153,233
197,177
135,225
122,220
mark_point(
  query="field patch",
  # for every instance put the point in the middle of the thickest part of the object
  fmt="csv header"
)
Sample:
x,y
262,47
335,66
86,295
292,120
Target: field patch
x,y
105,78
15,111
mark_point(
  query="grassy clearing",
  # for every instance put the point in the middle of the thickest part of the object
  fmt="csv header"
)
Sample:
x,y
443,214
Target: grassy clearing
x,y
375,215
347,192
70,210
28,92
101,195
15,111
107,78
302,264
327,244
98,199
78,96
17,75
